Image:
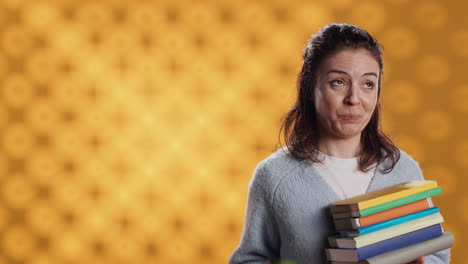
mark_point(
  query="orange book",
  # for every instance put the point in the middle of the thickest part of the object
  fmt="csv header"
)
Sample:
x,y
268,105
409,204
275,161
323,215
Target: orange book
x,y
353,223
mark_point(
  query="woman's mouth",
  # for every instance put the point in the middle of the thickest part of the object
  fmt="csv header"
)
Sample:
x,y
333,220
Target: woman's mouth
x,y
350,117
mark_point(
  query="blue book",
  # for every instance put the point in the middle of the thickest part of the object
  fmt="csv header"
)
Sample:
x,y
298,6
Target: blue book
x,y
386,224
408,239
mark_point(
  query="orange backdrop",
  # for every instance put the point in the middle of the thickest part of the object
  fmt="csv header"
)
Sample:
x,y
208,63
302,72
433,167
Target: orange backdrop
x,y
130,129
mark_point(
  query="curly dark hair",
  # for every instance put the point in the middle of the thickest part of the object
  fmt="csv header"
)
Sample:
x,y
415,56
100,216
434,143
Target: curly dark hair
x,y
300,126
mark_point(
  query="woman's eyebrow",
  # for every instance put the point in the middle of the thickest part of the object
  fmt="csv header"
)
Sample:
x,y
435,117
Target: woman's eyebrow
x,y
340,71
336,71
371,73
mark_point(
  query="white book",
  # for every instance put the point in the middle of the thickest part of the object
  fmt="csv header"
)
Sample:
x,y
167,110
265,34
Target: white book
x,y
409,253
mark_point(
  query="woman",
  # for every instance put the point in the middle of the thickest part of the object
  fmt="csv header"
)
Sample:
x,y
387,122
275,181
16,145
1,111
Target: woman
x,y
334,150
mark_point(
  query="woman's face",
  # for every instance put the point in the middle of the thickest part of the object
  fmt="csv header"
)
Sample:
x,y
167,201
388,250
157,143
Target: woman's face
x,y
346,93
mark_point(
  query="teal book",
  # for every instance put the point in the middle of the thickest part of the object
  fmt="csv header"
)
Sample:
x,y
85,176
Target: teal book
x,y
389,223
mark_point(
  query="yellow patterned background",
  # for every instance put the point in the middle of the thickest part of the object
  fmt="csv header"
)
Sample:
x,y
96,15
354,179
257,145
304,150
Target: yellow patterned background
x,y
130,129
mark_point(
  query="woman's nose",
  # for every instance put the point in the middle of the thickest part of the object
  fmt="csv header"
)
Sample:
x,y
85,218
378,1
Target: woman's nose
x,y
352,98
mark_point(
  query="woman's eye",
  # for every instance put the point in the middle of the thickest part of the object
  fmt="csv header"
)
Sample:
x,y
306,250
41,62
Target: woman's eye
x,y
337,82
369,85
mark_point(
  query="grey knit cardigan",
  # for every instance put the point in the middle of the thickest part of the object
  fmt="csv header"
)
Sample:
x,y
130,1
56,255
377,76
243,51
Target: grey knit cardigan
x,y
287,210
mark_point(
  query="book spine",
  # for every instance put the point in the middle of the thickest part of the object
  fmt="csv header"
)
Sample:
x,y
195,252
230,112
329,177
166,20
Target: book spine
x,y
396,221
346,223
401,201
398,242
339,254
397,230
396,195
410,253
393,213
346,215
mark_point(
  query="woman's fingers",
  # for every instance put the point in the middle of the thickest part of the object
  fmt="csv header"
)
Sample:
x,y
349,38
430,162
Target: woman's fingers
x,y
420,260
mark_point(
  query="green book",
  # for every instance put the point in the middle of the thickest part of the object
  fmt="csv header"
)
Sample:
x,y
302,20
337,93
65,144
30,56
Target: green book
x,y
390,205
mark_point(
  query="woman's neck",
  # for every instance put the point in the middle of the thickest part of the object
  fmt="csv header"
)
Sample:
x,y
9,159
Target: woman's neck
x,y
340,148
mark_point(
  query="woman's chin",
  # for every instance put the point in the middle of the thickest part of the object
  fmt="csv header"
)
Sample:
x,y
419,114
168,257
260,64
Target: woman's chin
x,y
349,133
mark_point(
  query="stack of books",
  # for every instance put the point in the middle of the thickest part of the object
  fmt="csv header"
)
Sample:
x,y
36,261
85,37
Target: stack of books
x,y
391,225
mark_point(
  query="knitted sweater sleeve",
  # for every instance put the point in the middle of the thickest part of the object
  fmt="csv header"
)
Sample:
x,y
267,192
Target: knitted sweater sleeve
x,y
441,257
260,236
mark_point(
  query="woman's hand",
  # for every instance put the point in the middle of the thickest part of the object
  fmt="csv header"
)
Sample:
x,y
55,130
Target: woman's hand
x,y
420,260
